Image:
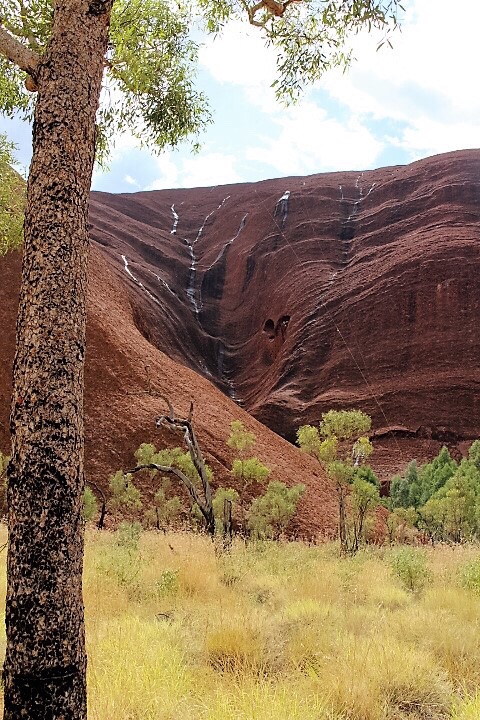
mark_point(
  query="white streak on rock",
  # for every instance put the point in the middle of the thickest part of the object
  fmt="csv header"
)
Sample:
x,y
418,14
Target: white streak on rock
x,y
173,231
137,282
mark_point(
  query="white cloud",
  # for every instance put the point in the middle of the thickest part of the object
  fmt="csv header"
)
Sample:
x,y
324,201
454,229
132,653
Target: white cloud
x,y
432,137
131,181
239,56
427,82
203,170
427,85
308,141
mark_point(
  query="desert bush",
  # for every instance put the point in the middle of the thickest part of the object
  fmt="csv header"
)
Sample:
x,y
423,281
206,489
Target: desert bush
x,y
234,649
470,575
123,491
409,565
168,583
128,536
270,514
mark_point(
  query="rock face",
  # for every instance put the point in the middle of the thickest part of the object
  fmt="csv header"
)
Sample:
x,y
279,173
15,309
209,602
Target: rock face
x,y
284,299
121,405
302,294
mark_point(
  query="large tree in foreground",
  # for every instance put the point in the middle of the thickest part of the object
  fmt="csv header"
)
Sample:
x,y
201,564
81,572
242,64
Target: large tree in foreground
x,y
64,52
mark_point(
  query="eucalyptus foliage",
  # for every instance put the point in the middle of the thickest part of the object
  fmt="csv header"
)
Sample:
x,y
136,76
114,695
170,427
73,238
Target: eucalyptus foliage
x,y
12,199
152,57
341,447
310,36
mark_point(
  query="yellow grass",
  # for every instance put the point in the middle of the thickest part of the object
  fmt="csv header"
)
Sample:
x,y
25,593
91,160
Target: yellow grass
x,y
176,631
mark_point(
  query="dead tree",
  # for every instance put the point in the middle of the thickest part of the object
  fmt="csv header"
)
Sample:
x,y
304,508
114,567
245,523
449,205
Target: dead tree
x,y
184,426
103,510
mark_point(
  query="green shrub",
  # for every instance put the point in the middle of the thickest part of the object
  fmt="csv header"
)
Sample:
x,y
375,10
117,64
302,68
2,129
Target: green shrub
x,y
128,535
410,567
124,492
168,583
90,505
470,575
270,514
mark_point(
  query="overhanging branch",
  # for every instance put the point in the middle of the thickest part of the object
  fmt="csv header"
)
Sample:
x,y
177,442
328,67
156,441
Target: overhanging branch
x,y
18,53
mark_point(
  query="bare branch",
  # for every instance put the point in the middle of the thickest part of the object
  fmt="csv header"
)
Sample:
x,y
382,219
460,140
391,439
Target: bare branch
x,y
185,426
182,477
18,53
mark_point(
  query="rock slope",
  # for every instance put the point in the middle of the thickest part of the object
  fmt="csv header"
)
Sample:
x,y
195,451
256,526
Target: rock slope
x,y
283,299
301,294
121,408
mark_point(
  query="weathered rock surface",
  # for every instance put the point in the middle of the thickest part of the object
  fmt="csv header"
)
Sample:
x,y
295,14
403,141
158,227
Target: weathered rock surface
x,y
293,296
120,407
301,294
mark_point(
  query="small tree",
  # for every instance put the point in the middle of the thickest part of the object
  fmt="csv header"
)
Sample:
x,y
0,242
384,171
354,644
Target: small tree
x,y
219,498
451,512
248,472
474,453
363,498
270,514
240,439
341,446
190,468
166,508
399,521
123,491
404,491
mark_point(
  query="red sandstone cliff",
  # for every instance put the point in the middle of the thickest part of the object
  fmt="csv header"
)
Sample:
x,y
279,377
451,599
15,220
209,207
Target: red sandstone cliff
x,y
292,296
354,289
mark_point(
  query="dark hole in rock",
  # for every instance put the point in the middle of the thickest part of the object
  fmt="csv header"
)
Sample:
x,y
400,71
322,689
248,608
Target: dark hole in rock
x,y
269,329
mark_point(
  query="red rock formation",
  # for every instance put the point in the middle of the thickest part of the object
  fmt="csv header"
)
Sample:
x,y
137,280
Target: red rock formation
x,y
120,413
293,296
335,290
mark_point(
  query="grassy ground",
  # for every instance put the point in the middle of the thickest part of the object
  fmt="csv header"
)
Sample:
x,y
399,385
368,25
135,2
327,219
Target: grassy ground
x,y
277,632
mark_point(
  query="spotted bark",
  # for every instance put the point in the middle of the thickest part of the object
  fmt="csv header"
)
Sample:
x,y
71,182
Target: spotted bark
x,y
45,664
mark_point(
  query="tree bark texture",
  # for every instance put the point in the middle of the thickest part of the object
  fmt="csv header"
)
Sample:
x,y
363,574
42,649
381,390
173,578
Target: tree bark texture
x,y
45,664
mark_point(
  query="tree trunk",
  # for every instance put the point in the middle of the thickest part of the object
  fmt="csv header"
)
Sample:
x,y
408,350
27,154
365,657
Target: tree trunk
x,y
45,664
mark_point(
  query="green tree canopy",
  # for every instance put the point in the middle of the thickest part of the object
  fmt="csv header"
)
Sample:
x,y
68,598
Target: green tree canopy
x,y
341,446
12,199
151,60
418,486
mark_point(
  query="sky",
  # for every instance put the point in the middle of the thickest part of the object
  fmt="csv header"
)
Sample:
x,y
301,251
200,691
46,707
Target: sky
x,y
393,106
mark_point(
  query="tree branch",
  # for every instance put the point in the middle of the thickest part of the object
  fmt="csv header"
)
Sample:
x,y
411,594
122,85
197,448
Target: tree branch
x,y
18,53
181,476
186,427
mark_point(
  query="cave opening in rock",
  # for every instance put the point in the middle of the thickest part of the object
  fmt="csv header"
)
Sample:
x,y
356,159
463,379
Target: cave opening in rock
x,y
269,329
